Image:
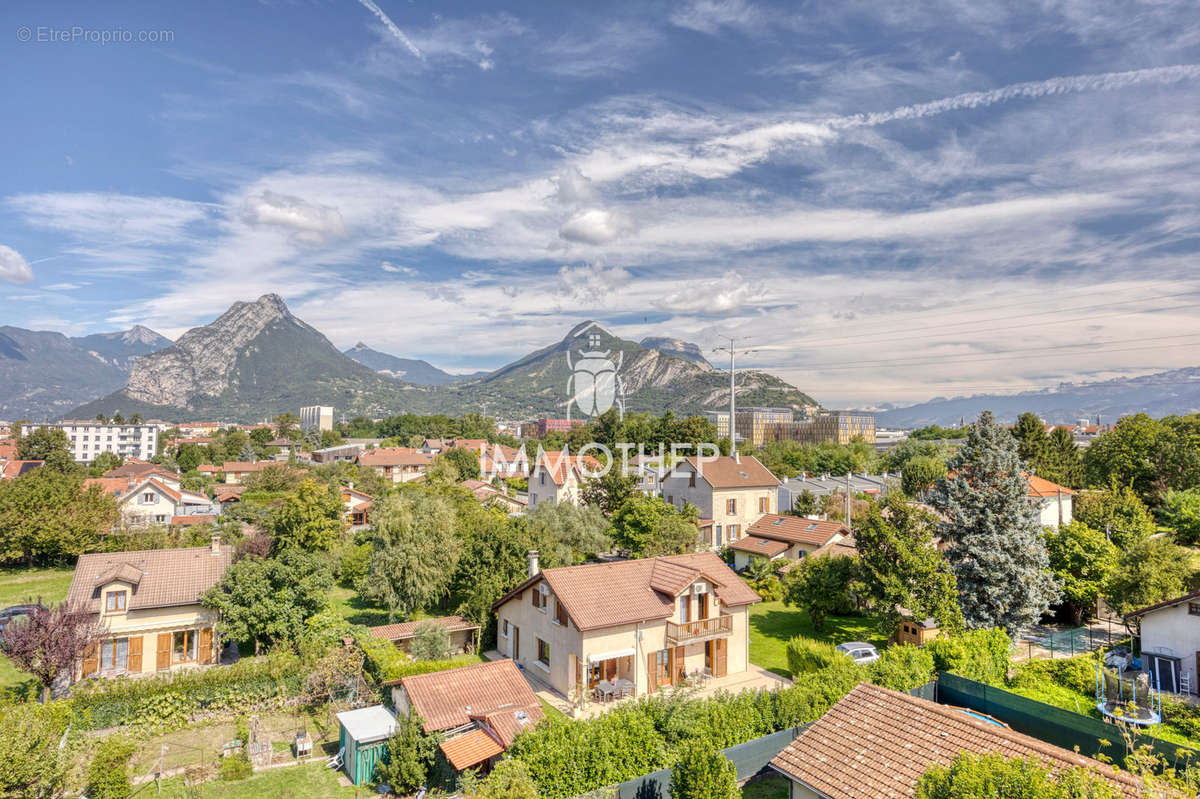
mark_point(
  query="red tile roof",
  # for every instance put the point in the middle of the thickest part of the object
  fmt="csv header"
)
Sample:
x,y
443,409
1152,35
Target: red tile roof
x,y
759,546
796,529
165,577
13,469
878,743
560,464
406,629
726,472
117,486
192,519
470,749
393,456
448,699
1041,487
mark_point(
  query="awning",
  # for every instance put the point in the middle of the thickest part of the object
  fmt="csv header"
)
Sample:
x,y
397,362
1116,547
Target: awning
x,y
616,653
470,749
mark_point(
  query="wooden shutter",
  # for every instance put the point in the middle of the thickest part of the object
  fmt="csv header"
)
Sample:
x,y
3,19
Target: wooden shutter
x,y
720,657
91,660
651,671
135,654
206,645
164,651
678,666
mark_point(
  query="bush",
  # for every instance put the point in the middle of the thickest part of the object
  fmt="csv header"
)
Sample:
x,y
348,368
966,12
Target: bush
x,y
431,641
508,780
355,560
991,776
108,773
409,757
980,655
234,767
703,773
902,668
822,586
806,655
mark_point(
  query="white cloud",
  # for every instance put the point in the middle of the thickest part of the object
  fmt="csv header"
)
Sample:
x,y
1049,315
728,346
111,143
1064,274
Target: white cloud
x,y
312,223
597,226
392,27
726,294
66,286
388,266
13,266
710,16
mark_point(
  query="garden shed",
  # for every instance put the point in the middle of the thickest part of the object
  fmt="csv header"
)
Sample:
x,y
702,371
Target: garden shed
x,y
364,735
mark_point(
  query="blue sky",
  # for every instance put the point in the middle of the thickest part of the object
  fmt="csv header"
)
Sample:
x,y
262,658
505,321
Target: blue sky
x,y
888,201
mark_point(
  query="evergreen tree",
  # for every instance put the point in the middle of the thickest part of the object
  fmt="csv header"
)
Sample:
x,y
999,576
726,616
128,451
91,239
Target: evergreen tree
x,y
997,550
1030,434
1059,460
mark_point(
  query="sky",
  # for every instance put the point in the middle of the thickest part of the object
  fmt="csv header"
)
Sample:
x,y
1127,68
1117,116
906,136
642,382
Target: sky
x,y
880,202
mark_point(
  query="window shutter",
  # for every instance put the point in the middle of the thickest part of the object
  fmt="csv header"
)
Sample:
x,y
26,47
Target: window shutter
x,y
651,671
91,660
135,654
164,651
206,645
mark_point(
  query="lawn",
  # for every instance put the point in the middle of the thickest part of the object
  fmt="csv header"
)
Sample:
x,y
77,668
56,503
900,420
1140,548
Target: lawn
x,y
18,586
773,624
310,781
773,787
353,608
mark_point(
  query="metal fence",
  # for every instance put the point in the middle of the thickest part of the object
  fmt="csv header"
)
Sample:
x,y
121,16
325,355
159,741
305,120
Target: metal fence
x,y
1069,643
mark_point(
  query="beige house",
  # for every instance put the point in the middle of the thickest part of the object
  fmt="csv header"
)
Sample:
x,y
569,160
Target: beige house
x,y
148,605
397,464
734,491
462,632
157,499
776,537
648,623
558,477
1055,503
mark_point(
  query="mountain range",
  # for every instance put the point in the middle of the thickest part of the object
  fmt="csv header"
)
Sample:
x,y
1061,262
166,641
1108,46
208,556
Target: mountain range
x,y
44,374
1159,394
258,359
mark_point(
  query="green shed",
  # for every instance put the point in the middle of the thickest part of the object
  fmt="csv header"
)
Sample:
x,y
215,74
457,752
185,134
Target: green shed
x,y
364,735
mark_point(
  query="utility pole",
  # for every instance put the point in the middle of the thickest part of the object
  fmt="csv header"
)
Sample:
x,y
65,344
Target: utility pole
x,y
731,349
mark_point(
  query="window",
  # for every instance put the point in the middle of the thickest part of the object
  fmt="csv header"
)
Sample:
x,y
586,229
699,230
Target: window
x,y
183,646
1194,609
114,601
539,597
660,667
504,629
685,608
691,479
734,531
542,478
560,613
114,654
543,653
670,499
764,505
731,506
717,537
148,498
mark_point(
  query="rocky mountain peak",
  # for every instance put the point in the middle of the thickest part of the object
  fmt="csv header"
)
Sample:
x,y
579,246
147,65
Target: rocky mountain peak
x,y
677,348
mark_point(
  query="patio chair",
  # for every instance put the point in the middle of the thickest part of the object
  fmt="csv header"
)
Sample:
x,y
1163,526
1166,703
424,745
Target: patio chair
x,y
336,761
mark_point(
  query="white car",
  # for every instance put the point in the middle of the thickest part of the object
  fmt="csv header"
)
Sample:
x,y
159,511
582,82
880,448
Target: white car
x,y
859,651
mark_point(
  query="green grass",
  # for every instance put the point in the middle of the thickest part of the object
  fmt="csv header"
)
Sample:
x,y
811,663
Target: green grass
x,y
773,624
773,787
18,586
310,781
552,713
353,608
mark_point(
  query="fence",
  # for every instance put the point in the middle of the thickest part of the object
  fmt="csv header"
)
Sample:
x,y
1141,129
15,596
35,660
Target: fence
x,y
1048,723
1069,643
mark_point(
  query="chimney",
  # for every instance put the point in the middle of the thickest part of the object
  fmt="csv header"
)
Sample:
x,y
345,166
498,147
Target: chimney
x,y
533,562
737,456
214,544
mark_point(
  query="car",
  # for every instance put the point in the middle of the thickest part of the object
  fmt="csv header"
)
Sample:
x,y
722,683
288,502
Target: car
x,y
859,651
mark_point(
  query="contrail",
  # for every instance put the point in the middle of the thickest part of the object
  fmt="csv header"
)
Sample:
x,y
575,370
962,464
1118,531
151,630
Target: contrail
x,y
399,34
1105,81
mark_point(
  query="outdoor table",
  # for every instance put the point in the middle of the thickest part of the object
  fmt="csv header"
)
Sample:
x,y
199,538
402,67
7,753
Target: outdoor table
x,y
623,687
605,688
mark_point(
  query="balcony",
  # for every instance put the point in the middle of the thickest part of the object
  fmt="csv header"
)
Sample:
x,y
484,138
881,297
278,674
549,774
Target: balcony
x,y
703,630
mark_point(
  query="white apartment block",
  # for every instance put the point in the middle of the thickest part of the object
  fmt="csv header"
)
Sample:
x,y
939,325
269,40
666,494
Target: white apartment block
x,y
86,440
318,416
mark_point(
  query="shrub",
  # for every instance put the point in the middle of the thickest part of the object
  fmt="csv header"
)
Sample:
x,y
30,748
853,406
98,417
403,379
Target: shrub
x,y
431,641
234,767
108,773
980,655
822,586
806,655
902,668
409,757
508,780
355,560
703,773
991,776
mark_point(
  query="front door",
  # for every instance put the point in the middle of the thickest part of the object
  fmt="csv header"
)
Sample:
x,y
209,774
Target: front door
x,y
720,657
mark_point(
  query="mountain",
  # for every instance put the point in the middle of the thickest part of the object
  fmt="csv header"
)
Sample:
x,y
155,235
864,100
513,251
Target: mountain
x,y
421,373
254,361
257,360
122,347
1159,394
677,348
44,374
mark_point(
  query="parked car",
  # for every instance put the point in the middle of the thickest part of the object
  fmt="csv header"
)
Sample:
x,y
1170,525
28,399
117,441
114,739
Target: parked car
x,y
859,651
9,614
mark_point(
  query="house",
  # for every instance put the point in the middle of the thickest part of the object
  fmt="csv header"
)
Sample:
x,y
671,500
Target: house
x,y
489,495
462,632
133,467
478,709
916,632
1170,642
546,426
10,470
504,462
873,485
148,605
877,742
735,491
777,537
235,471
1054,502
152,500
651,621
358,505
397,464
364,735
558,476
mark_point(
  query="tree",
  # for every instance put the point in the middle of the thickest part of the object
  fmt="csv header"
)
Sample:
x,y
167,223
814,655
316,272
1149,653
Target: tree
x,y
510,779
49,641
104,462
805,504
268,600
261,436
189,457
609,490
408,758
1134,453
431,641
992,776
1030,433
415,552
997,551
48,444
1151,571
1181,510
703,772
465,462
1082,560
33,766
441,472
108,773
1059,461
287,425
921,474
569,534
1118,513
900,566
46,515
647,526
312,519
823,586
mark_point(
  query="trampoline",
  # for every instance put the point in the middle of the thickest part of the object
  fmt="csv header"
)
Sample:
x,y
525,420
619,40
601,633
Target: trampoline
x,y
1127,700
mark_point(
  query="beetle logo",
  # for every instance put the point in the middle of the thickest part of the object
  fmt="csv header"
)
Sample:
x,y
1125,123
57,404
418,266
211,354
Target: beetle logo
x,y
594,385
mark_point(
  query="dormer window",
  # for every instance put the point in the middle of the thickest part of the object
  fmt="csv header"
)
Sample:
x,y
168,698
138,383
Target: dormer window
x,y
114,601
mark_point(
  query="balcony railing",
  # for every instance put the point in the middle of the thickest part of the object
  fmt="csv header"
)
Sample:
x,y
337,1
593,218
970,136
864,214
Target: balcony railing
x,y
702,630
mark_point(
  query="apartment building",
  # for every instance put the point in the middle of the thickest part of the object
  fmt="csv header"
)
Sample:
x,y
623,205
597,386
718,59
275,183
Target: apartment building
x,y
86,440
733,491
318,416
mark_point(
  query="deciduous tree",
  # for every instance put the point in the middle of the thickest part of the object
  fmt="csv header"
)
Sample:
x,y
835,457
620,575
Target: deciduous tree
x,y
312,519
47,444
921,474
823,586
415,551
1082,559
1118,513
1151,571
1181,510
49,641
703,772
569,534
648,526
33,765
609,490
47,515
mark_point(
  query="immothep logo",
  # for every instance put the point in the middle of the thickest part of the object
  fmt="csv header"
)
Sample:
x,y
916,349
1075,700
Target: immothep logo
x,y
595,384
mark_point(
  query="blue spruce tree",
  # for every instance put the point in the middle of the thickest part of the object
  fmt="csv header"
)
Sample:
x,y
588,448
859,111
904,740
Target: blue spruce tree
x,y
997,550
